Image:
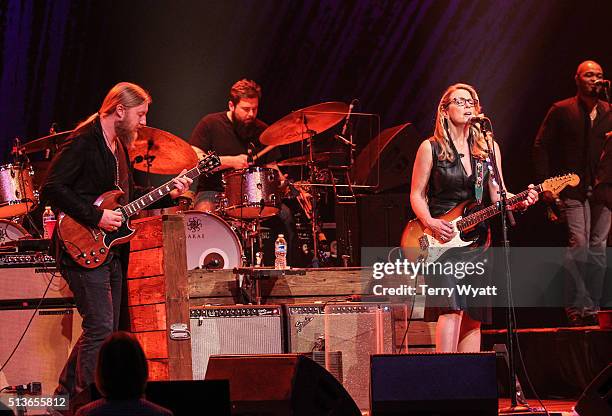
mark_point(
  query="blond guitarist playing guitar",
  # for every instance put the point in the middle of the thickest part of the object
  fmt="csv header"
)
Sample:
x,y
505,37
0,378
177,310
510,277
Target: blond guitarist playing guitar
x,y
94,161
452,167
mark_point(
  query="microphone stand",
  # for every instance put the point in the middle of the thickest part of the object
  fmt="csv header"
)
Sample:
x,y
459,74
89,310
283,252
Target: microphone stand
x,y
515,408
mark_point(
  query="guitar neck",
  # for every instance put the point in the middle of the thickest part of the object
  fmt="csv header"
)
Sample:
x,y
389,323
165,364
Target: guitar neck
x,y
155,195
492,210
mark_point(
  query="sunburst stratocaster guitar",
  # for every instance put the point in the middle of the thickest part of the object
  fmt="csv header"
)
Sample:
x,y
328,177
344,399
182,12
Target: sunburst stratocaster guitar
x,y
89,247
418,243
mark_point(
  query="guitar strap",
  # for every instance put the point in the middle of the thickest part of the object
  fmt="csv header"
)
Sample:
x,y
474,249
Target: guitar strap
x,y
478,185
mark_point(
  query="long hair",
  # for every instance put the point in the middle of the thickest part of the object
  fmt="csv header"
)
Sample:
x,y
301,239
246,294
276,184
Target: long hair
x,y
124,93
122,370
441,133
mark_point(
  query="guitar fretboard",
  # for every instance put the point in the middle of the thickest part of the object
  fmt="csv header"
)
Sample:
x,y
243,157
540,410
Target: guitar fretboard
x,y
492,210
205,166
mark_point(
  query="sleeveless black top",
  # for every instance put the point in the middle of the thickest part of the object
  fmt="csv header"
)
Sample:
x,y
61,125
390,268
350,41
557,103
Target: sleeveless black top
x,y
449,184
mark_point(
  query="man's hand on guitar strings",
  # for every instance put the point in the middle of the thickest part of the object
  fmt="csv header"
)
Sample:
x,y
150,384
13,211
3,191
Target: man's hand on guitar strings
x,y
111,220
181,185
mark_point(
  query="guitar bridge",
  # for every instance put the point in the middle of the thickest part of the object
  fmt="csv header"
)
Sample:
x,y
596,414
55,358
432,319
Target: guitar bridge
x,y
423,242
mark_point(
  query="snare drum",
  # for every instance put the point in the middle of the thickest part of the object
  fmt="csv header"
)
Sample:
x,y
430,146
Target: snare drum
x,y
11,232
17,195
252,193
211,242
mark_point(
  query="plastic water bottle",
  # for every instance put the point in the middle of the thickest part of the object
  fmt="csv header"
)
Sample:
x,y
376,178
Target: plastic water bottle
x,y
280,252
48,219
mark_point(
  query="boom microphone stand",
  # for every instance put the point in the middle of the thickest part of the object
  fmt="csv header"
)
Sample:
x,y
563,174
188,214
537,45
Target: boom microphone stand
x,y
506,215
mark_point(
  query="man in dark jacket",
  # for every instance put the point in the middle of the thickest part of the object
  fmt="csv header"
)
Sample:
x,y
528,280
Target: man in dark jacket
x,y
571,139
93,161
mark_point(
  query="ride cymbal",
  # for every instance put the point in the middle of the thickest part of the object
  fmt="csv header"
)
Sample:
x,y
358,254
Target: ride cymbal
x,y
304,123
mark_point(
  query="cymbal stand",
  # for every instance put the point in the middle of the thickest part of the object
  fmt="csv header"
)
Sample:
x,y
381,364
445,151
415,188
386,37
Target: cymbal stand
x,y
251,237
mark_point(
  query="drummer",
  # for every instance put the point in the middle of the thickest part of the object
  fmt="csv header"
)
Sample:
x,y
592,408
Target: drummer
x,y
234,136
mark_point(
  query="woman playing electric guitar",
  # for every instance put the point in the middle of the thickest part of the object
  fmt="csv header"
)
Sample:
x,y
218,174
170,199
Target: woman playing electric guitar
x,y
450,168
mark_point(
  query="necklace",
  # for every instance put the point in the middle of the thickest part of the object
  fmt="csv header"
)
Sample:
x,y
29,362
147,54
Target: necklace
x,y
115,156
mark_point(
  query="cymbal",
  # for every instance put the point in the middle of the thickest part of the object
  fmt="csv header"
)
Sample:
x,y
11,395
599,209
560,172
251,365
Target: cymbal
x,y
52,142
301,124
303,160
172,154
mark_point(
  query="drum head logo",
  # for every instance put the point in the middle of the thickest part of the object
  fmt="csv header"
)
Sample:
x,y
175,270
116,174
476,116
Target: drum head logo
x,y
194,224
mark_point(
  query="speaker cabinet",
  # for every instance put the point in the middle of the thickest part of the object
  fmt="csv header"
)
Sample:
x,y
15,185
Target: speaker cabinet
x,y
597,397
240,329
19,283
45,348
358,330
288,384
434,384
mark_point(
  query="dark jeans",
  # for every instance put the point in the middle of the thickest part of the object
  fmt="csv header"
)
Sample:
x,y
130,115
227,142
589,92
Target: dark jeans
x,y
97,294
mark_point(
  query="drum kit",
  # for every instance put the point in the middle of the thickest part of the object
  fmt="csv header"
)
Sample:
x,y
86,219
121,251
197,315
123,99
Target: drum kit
x,y
215,239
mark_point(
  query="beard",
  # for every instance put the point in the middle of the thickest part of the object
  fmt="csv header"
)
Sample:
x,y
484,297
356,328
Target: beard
x,y
243,129
126,134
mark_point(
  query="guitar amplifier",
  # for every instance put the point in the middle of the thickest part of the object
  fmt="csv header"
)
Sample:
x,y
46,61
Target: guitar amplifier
x,y
239,329
44,349
29,283
358,330
306,336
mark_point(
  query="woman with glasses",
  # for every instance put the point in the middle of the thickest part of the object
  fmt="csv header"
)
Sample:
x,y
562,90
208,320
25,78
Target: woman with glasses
x,y
451,167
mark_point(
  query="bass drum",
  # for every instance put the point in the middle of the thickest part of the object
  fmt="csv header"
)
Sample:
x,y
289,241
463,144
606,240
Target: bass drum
x,y
211,243
10,232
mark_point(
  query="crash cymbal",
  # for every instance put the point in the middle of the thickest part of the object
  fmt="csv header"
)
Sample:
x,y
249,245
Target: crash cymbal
x,y
51,142
303,160
301,124
171,154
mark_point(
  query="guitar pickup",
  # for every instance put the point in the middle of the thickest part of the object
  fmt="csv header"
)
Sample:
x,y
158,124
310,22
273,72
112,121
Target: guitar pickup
x,y
423,242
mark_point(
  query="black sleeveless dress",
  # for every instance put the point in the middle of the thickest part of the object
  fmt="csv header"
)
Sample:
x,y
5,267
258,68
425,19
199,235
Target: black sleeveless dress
x,y
448,186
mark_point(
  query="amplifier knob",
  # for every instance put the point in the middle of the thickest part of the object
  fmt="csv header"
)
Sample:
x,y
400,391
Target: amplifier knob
x,y
102,250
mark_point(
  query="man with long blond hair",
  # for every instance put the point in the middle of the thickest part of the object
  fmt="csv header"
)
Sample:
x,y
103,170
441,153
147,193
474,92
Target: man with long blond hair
x,y
95,160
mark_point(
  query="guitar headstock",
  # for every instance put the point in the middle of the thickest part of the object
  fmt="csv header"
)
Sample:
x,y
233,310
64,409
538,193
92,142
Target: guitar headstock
x,y
209,162
558,183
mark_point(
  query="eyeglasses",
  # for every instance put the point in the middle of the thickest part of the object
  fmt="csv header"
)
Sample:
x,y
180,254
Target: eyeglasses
x,y
460,102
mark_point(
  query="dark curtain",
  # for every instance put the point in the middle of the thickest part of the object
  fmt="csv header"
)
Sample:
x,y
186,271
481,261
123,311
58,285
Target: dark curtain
x,y
60,57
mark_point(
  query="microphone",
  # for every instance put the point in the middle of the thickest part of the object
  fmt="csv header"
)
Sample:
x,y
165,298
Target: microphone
x,y
482,119
602,83
348,116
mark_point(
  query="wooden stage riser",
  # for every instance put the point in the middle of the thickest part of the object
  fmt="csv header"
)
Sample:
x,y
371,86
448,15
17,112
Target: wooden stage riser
x,y
160,291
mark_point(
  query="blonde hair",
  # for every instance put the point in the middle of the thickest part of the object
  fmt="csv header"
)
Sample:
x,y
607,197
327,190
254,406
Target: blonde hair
x,y
124,93
441,134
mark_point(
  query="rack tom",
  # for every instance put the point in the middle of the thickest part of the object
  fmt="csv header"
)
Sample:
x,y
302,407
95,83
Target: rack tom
x,y
252,193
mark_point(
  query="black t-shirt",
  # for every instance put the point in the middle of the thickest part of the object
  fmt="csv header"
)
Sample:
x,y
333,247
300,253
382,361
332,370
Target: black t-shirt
x,y
216,132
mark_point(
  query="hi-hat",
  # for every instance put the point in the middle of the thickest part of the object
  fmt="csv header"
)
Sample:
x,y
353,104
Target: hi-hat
x,y
171,154
302,124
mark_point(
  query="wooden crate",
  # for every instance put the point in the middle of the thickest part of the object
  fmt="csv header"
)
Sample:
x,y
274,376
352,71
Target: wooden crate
x,y
158,294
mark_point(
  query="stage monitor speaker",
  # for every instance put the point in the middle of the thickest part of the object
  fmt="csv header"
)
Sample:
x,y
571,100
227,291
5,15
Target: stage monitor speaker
x,y
189,397
288,385
240,329
428,384
358,330
44,349
597,397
